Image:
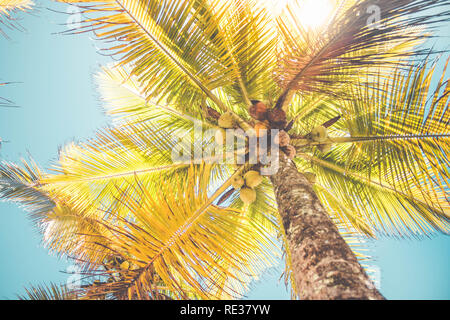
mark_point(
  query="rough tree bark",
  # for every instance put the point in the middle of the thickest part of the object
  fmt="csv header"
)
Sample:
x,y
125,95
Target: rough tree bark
x,y
324,266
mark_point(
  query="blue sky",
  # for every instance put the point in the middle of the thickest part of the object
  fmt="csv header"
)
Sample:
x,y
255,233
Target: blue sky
x,y
58,103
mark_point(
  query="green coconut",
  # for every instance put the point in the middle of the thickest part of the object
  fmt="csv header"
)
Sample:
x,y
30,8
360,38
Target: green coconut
x,y
226,120
253,179
319,134
248,195
237,182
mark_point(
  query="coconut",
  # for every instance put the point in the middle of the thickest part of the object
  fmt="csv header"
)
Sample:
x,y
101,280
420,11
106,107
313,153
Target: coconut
x,y
220,137
226,120
324,147
310,176
258,111
277,118
253,179
237,182
248,195
282,138
319,134
125,265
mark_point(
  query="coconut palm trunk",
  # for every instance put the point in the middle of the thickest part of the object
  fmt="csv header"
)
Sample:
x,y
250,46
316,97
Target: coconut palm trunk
x,y
323,264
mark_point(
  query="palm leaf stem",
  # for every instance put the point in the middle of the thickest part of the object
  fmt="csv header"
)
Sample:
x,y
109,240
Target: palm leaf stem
x,y
208,92
339,140
188,223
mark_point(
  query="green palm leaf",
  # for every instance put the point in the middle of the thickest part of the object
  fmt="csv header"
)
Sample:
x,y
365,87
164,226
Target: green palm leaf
x,y
173,37
389,170
192,250
19,185
94,174
323,60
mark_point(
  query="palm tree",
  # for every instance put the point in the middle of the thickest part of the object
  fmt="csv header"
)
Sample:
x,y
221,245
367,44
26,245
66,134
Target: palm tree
x,y
363,149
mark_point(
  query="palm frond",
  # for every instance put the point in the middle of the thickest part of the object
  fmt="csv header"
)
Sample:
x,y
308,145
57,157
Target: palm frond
x,y
8,7
66,232
403,131
390,155
4,102
165,44
376,203
124,99
323,60
192,48
191,244
47,292
84,239
310,110
19,185
94,174
249,31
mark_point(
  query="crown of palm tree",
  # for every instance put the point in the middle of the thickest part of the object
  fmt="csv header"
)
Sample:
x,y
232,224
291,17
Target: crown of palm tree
x,y
146,226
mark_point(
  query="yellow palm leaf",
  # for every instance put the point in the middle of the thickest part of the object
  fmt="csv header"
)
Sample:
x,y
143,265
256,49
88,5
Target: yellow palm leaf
x,y
321,60
187,241
8,7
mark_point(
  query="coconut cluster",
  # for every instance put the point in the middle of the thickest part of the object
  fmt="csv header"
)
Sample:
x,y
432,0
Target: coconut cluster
x,y
277,118
225,121
273,119
246,185
229,121
264,120
282,138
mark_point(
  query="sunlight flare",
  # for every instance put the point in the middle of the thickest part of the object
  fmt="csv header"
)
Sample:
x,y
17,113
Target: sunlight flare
x,y
314,13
